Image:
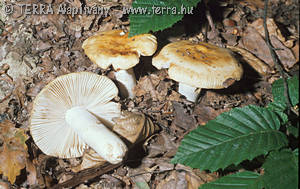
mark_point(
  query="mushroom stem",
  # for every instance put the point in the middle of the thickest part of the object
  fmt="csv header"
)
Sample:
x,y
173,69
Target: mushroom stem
x,y
126,82
107,144
191,93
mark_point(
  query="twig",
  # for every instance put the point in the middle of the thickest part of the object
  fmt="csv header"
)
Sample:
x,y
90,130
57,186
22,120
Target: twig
x,y
216,33
275,58
157,172
87,175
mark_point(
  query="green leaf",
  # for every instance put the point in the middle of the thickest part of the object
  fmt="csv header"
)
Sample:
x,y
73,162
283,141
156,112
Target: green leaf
x,y
296,153
279,108
293,88
294,130
171,11
242,133
241,180
281,170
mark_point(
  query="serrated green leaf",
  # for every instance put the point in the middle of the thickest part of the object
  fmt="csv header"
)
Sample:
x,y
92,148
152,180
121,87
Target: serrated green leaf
x,y
296,153
242,133
294,130
279,108
151,20
281,170
293,88
241,180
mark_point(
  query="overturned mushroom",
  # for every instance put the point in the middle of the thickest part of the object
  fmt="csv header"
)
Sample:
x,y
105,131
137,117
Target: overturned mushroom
x,y
198,65
116,49
72,112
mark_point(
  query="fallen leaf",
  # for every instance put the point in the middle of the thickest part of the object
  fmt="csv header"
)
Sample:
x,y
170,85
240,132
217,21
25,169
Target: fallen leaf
x,y
295,50
284,54
272,28
174,180
255,43
182,118
253,4
205,113
193,181
89,159
147,84
13,153
261,67
32,174
253,40
4,185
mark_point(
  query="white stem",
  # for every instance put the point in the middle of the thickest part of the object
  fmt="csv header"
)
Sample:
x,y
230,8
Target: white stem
x,y
191,93
107,144
126,82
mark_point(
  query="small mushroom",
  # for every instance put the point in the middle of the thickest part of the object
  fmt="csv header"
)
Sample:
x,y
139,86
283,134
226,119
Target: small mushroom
x,y
116,49
72,112
198,65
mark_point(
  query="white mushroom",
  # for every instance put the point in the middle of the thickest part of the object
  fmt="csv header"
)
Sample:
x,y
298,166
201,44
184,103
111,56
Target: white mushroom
x,y
116,49
198,65
72,112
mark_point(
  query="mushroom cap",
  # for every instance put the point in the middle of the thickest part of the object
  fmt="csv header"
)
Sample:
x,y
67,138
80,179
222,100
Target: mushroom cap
x,y
48,126
200,65
116,49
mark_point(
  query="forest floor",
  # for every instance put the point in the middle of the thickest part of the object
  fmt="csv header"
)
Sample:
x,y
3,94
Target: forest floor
x,y
35,49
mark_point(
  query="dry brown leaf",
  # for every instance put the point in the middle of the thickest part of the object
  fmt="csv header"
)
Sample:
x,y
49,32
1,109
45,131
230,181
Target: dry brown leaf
x,y
272,28
4,185
89,159
295,50
182,118
284,54
253,61
253,4
174,180
32,174
13,153
206,113
252,41
147,84
193,181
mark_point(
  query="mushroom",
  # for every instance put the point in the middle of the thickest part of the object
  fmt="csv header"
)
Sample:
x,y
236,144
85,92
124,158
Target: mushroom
x,y
72,112
198,65
116,49
134,126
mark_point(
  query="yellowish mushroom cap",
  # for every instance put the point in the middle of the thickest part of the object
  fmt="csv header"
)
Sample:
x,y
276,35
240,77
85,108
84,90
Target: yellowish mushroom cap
x,y
199,65
116,49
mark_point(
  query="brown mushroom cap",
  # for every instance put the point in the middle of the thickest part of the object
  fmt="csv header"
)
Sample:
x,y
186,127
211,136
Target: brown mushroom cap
x,y
116,49
200,65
